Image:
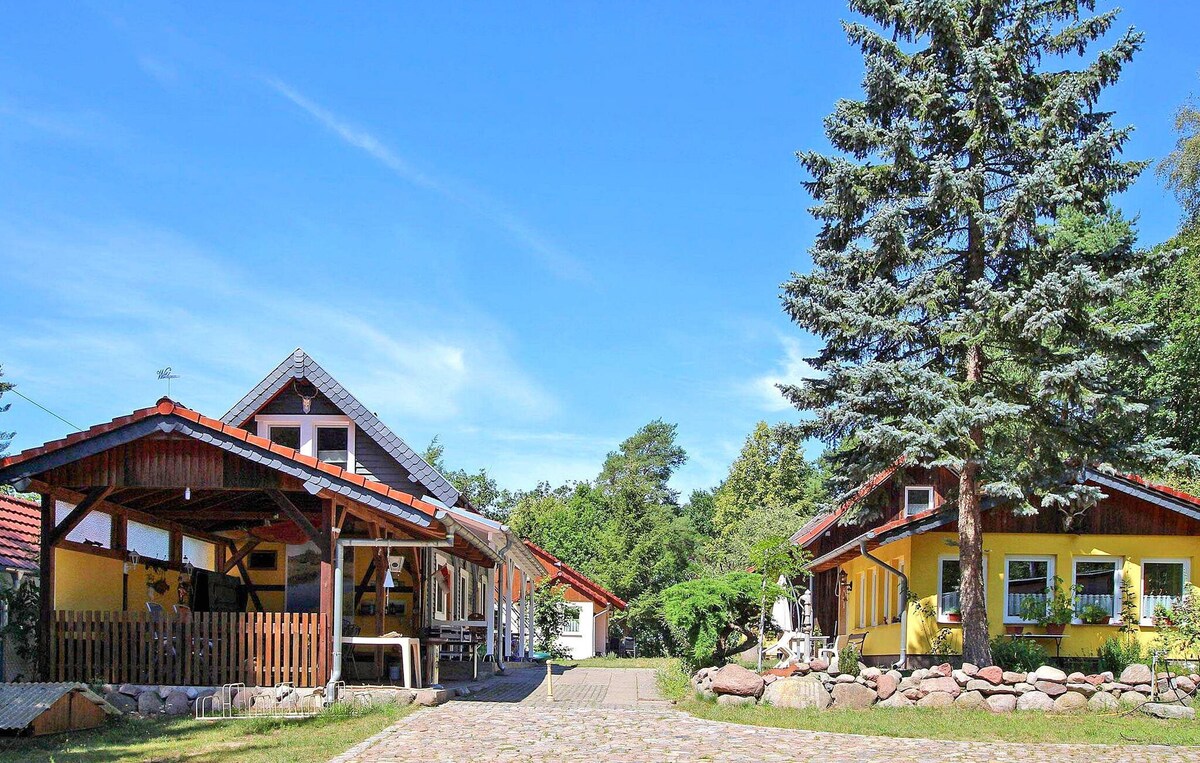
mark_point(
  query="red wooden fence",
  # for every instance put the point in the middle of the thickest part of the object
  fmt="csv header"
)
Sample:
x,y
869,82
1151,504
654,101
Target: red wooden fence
x,y
200,649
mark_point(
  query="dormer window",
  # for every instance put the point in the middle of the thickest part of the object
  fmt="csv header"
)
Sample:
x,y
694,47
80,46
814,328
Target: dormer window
x,y
917,498
328,438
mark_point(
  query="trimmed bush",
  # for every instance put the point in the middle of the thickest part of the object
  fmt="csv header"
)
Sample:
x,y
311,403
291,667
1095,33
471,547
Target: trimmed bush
x,y
1018,654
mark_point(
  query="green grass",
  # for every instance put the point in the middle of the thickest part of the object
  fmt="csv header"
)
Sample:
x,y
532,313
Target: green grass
x,y
184,740
1089,728
655,663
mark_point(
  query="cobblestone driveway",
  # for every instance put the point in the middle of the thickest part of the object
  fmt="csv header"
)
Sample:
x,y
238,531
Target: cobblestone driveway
x,y
616,717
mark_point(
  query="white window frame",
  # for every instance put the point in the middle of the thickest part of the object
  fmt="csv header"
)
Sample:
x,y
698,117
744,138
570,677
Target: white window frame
x,y
862,600
887,597
308,432
578,622
1147,618
941,618
1118,575
1050,573
927,488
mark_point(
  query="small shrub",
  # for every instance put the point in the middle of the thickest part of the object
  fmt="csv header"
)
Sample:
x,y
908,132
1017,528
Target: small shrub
x,y
1119,652
848,660
1018,654
673,680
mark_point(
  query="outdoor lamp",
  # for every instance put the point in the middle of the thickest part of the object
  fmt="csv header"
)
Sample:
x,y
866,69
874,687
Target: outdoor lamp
x,y
188,567
131,562
388,582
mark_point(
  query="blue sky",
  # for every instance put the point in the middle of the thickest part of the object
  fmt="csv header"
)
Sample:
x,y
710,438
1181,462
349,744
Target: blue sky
x,y
527,228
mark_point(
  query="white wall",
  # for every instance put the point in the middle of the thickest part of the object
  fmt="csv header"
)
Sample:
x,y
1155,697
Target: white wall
x,y
581,645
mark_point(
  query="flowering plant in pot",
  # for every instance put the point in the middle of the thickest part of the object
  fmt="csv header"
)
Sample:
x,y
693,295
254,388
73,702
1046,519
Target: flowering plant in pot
x,y
952,615
1060,607
1093,614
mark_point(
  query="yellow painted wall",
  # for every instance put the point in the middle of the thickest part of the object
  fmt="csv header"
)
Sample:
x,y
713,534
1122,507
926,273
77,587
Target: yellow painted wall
x,y
922,554
87,582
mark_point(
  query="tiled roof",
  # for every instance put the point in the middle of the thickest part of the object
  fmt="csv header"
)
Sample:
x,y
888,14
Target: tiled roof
x,y
167,408
812,529
20,704
20,530
574,578
300,366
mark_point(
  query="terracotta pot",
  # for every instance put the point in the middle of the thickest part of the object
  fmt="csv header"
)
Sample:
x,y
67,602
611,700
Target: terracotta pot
x,y
952,618
1014,630
1055,629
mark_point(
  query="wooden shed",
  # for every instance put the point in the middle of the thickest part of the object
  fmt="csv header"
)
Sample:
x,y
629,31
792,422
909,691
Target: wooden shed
x,y
50,708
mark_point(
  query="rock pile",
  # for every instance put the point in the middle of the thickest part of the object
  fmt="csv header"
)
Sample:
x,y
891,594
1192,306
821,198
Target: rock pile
x,y
183,700
1047,689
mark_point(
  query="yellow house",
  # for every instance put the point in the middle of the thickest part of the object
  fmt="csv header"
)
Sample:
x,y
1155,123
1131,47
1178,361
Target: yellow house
x,y
1120,561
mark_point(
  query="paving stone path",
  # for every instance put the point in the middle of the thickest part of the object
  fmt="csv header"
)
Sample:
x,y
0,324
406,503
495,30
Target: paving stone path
x,y
616,716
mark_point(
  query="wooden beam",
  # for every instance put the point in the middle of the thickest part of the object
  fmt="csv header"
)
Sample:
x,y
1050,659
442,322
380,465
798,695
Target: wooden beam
x,y
93,497
239,554
362,586
241,565
46,589
297,516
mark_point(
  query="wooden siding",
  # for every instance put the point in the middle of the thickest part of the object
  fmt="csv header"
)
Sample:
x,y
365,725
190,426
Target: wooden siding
x,y
205,649
887,504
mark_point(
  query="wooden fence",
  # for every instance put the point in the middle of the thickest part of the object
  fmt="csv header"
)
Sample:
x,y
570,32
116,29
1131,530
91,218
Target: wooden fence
x,y
200,649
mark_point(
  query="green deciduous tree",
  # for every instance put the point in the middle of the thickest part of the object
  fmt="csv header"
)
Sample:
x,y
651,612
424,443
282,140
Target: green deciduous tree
x,y
550,614
1181,168
960,321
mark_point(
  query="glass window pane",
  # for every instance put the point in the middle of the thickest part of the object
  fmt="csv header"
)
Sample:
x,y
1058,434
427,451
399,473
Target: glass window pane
x,y
289,437
333,445
303,592
1027,580
147,541
1163,578
919,499
1096,582
201,553
948,599
94,530
572,620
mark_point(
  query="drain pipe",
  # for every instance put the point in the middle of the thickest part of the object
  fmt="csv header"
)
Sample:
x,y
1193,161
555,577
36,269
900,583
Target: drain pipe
x,y
339,562
862,549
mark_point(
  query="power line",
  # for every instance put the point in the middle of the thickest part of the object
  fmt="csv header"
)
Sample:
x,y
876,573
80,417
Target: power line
x,y
44,408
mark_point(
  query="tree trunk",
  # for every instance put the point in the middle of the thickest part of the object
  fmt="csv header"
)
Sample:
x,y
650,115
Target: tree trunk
x,y
970,558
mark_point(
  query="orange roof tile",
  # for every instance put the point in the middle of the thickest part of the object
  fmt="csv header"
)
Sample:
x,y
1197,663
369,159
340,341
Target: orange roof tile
x,y
575,578
20,531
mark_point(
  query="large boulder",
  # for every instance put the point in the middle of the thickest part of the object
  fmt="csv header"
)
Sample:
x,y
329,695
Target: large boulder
x,y
176,704
886,685
1051,688
1131,699
1172,712
1002,703
797,694
853,696
736,680
991,674
1048,673
941,684
1012,677
121,701
969,700
986,688
1035,700
735,700
896,700
1135,675
1102,702
819,664
1071,702
149,703
936,699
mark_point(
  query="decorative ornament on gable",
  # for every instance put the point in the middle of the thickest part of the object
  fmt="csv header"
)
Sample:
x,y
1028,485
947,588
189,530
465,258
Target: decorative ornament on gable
x,y
167,374
306,394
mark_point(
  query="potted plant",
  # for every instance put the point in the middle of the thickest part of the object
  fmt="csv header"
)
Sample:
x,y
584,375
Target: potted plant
x,y
1031,609
1060,608
1014,630
1093,614
952,615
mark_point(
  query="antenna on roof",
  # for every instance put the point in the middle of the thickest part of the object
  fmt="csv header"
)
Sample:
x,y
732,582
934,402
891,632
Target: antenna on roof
x,y
166,373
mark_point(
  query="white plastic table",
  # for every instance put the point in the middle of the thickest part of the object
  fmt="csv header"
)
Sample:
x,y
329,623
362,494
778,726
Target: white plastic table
x,y
410,653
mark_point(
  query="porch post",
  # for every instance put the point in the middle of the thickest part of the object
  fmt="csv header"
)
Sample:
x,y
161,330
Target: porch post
x,y
529,625
46,588
325,545
506,613
489,608
524,618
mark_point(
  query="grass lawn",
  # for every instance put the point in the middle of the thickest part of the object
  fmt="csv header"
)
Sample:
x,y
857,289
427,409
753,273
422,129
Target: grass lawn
x,y
309,740
1087,728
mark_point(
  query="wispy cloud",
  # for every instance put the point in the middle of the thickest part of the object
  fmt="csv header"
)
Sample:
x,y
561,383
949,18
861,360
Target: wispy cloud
x,y
791,369
528,236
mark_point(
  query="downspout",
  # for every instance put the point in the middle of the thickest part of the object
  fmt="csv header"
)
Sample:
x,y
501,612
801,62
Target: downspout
x,y
862,549
339,561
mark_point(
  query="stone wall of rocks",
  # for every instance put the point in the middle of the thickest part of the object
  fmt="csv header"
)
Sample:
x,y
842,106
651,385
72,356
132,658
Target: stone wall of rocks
x,y
150,701
1047,689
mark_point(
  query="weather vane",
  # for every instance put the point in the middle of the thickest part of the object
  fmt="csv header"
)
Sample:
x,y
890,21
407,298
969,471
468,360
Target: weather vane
x,y
165,373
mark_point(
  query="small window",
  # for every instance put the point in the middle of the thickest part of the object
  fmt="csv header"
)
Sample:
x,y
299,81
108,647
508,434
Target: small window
x,y
1164,583
1097,582
263,560
288,437
949,582
917,499
148,541
94,530
1026,581
333,445
201,553
572,620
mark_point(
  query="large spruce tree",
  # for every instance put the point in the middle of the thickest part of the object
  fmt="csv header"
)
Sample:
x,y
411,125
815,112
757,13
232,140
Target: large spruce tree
x,y
965,324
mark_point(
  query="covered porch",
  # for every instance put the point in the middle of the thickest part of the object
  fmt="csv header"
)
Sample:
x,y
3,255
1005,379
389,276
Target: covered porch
x,y
178,550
